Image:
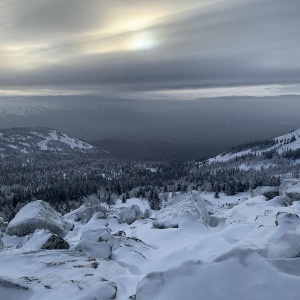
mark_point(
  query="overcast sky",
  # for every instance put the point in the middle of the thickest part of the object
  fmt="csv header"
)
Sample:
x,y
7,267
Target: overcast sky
x,y
150,47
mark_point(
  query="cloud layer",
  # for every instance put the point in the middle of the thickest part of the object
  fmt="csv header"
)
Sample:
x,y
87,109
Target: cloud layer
x,y
147,45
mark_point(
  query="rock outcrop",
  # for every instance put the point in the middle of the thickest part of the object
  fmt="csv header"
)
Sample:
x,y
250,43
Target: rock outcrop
x,y
55,242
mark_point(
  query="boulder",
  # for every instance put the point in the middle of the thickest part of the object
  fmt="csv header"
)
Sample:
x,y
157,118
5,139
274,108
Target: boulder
x,y
281,201
286,218
84,213
290,188
147,213
34,241
287,246
55,242
131,214
293,193
3,225
36,215
216,221
93,249
268,191
200,207
96,235
1,243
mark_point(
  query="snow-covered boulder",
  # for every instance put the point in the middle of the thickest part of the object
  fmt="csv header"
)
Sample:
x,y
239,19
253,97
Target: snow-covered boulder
x,y
3,225
36,215
268,191
147,213
200,207
55,242
1,243
280,201
84,213
287,246
96,235
131,214
182,209
34,241
216,221
286,218
93,249
294,193
290,188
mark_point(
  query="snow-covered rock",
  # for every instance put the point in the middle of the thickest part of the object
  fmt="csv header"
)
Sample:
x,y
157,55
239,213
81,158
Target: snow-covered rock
x,y
84,213
291,189
147,213
287,246
281,201
294,192
36,215
1,243
96,235
93,249
179,209
3,225
131,214
268,191
35,241
55,242
286,218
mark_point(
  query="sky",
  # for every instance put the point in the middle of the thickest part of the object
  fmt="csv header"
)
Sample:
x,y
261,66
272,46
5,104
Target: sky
x,y
150,49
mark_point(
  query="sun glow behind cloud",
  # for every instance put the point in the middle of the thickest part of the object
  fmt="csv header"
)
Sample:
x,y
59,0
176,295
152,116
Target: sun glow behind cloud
x,y
142,41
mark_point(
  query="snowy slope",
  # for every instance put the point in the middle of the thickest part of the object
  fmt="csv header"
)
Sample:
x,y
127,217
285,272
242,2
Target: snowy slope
x,y
283,143
28,140
251,253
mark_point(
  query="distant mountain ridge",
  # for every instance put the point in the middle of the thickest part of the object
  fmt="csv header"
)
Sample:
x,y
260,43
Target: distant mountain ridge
x,y
285,145
26,140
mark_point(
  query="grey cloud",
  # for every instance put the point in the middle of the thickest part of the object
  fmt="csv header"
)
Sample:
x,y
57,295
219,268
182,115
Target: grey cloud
x,y
228,43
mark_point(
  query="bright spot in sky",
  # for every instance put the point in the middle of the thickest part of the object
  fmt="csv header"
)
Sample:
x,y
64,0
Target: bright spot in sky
x,y
142,42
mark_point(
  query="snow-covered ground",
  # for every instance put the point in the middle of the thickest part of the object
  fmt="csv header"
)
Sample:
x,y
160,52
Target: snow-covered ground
x,y
196,247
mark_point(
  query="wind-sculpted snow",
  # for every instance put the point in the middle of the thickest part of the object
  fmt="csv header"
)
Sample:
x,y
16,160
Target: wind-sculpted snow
x,y
10,290
242,275
195,247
